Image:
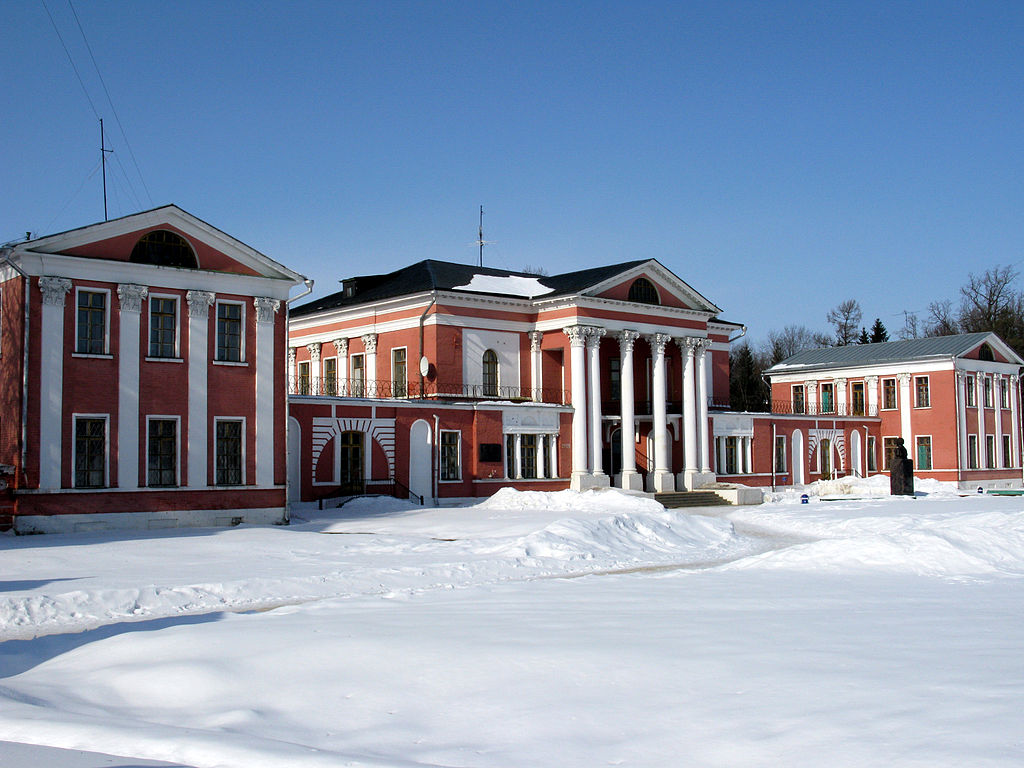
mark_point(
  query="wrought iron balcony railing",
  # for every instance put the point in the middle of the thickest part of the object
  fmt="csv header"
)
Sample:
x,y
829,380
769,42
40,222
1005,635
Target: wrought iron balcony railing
x,y
408,390
788,407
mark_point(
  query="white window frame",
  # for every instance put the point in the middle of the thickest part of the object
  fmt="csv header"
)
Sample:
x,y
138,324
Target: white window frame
x,y
216,333
323,375
780,441
106,448
991,440
1007,446
832,397
361,356
895,395
987,392
1004,394
458,449
79,289
915,393
970,393
216,421
931,453
394,381
803,398
177,327
177,448
872,455
973,456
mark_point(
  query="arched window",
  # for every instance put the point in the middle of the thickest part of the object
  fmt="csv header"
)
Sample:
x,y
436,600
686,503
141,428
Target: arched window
x,y
490,378
985,353
164,249
642,291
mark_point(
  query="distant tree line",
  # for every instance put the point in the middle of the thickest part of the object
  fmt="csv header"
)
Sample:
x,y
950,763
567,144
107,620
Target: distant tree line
x,y
990,301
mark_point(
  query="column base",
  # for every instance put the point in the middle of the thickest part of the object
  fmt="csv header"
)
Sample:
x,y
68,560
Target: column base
x,y
631,480
691,479
664,481
584,481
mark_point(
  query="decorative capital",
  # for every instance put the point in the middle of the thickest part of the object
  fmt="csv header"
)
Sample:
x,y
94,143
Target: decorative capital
x,y
535,338
340,346
871,381
840,383
577,335
1014,380
54,289
293,354
370,342
131,296
626,340
903,378
594,335
687,344
811,384
658,342
314,351
265,309
199,303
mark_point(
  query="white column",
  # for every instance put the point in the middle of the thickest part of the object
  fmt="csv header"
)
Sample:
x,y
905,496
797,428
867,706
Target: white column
x,y
687,345
703,435
553,455
536,381
130,299
51,379
1015,419
997,418
811,388
293,370
979,399
748,455
518,458
840,386
538,456
906,406
199,303
577,361
961,417
631,479
315,371
266,402
341,348
663,479
370,365
871,385
594,373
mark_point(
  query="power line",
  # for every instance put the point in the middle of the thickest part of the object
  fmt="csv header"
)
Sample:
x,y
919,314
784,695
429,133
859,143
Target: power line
x,y
71,60
111,103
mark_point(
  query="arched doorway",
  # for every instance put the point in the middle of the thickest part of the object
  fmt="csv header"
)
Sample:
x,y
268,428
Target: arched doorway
x,y
420,474
294,460
798,458
350,458
856,457
825,458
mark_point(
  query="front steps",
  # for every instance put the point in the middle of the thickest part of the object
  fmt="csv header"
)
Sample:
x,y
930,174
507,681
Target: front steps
x,y
681,499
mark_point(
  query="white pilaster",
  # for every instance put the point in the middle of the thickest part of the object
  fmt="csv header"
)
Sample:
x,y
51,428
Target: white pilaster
x,y
687,345
841,397
979,399
341,348
370,364
518,458
315,371
961,418
811,389
199,303
266,402
553,455
997,413
293,370
535,363
130,298
631,479
663,479
594,403
703,429
51,379
1015,419
871,385
577,361
906,407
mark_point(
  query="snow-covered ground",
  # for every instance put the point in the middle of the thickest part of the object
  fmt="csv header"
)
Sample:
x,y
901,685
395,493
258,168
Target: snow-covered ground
x,y
531,630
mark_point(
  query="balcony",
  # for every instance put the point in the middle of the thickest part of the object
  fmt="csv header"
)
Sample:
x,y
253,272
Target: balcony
x,y
791,408
414,390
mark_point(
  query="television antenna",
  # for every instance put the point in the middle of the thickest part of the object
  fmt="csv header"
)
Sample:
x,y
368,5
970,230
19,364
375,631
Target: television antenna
x,y
480,242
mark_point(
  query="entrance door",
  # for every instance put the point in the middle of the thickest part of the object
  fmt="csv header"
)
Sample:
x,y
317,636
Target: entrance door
x,y
613,458
420,476
825,446
350,451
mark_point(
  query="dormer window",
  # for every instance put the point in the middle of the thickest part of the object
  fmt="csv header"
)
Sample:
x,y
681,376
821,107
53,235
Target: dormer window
x,y
985,353
164,249
642,291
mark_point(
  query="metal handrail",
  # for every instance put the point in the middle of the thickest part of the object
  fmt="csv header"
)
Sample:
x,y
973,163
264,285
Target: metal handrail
x,y
387,389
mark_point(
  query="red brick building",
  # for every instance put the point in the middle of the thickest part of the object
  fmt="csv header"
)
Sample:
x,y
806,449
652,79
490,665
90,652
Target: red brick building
x,y
143,377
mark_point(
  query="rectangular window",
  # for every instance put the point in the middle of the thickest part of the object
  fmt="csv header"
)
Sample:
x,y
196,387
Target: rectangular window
x,y
510,456
303,382
528,447
872,457
162,453
358,376
857,398
924,453
90,452
972,451
92,323
399,376
828,402
780,454
451,464
330,376
731,456
970,391
615,378
889,395
988,391
1007,452
990,451
163,327
229,332
229,452
889,447
922,397
1004,394
799,404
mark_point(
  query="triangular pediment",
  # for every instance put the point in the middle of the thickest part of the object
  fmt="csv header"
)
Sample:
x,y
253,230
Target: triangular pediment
x,y
114,240
671,290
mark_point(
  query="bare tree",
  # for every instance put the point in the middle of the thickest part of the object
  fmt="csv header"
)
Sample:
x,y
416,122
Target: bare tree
x,y
846,318
911,327
790,340
941,320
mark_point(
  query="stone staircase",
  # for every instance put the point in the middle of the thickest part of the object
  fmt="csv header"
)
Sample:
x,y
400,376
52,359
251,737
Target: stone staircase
x,y
680,499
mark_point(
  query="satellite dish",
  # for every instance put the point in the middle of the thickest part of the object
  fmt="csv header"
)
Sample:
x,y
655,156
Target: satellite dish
x,y
424,366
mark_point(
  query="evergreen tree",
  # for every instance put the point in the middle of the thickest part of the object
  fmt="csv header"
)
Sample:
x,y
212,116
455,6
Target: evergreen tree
x,y
879,332
747,390
863,338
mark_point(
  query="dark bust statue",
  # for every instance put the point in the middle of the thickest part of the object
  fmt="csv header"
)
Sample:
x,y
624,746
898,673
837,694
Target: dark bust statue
x,y
901,472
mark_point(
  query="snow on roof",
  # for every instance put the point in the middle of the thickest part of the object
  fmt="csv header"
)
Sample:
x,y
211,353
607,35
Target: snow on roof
x,y
511,285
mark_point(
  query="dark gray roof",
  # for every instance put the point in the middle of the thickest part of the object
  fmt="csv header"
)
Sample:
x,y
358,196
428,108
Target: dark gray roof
x,y
431,275
886,352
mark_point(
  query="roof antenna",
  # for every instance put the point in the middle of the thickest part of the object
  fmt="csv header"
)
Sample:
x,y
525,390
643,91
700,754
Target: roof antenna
x,y
480,238
103,162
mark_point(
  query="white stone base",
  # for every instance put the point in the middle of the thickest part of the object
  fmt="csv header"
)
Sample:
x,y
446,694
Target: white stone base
x,y
584,481
693,479
664,481
148,521
630,480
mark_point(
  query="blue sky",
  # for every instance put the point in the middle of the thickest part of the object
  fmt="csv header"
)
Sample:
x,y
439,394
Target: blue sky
x,y
780,157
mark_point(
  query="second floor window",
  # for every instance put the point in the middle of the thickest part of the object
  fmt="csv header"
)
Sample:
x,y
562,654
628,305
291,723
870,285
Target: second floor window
x,y
490,374
922,397
969,392
163,316
988,391
799,406
358,376
303,388
828,403
92,323
229,332
889,395
400,382
1004,394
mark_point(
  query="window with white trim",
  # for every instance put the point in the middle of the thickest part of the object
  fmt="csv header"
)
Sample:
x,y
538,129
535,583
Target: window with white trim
x,y
924,451
799,402
163,326
399,373
1004,394
889,401
161,452
230,339
987,389
358,375
972,451
90,458
91,322
780,454
1007,452
330,381
230,452
970,399
828,401
451,455
922,394
872,454
990,451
